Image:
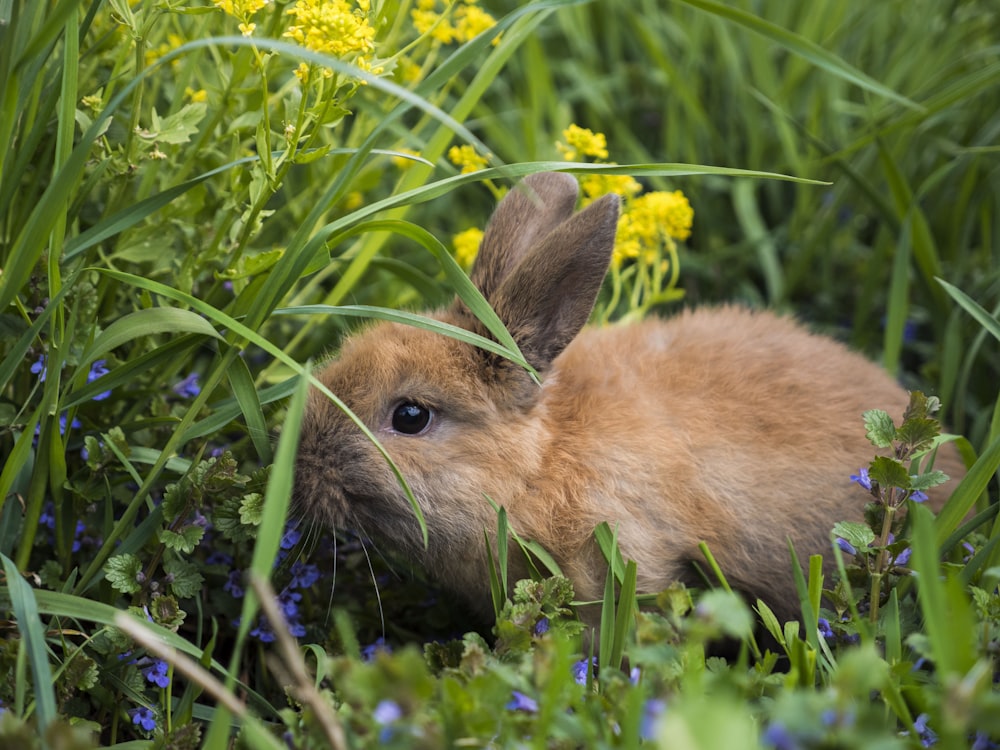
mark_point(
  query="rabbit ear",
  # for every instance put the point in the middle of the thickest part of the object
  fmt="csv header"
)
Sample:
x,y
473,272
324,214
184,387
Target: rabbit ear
x,y
527,213
547,297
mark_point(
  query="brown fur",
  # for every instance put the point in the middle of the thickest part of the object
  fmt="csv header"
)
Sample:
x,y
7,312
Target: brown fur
x,y
728,426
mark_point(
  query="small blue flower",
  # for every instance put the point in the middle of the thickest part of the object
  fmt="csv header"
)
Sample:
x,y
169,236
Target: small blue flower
x,y
777,736
263,632
304,575
582,669
188,388
157,673
634,675
39,368
215,557
846,546
387,712
824,628
97,370
291,536
288,601
369,651
144,718
926,735
48,519
917,496
542,626
862,478
903,557
521,702
296,629
982,741
651,713
234,584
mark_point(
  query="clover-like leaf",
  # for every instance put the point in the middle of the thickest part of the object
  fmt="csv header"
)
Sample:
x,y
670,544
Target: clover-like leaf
x,y
889,472
859,535
185,540
184,579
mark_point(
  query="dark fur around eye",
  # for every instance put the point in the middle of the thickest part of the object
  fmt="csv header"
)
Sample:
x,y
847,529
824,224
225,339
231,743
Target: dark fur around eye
x,y
411,419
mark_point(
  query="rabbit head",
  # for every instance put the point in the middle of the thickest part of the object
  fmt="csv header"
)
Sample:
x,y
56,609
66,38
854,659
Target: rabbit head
x,y
459,422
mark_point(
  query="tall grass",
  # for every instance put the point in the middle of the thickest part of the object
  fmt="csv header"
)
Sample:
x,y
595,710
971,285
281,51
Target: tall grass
x,y
185,224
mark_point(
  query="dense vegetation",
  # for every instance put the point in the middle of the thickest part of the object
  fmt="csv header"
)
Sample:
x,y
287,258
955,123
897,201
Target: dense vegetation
x,y
197,197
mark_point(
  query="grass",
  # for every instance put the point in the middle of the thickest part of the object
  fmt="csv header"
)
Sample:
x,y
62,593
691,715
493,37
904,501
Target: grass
x,y
185,225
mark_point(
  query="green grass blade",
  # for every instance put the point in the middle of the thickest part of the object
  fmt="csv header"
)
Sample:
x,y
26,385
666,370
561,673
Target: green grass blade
x,y
144,323
804,48
973,484
987,321
29,624
947,613
241,381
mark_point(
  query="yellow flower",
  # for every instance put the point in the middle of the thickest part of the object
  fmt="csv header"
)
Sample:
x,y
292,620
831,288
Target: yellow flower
x,y
596,185
471,21
333,27
466,158
242,9
466,246
582,142
195,96
671,211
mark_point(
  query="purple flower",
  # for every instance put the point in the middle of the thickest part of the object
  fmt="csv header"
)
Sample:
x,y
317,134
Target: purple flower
x,y
651,713
542,626
48,519
288,601
521,702
234,584
903,557
97,370
369,651
924,733
386,712
862,478
144,718
188,388
39,368
296,629
777,736
824,628
846,546
917,496
157,673
291,536
263,632
582,669
216,557
304,575
634,675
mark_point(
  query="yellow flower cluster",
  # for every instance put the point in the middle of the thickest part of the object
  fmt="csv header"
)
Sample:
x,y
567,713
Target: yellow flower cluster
x,y
466,246
650,220
334,27
583,142
466,157
242,9
469,20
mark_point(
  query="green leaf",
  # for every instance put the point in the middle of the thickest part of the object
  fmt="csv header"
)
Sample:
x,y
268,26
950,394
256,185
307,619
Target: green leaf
x,y
29,624
879,428
186,581
178,127
918,432
123,572
185,541
859,535
926,481
145,323
889,472
252,509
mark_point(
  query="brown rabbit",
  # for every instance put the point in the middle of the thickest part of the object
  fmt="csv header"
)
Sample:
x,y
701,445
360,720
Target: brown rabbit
x,y
728,426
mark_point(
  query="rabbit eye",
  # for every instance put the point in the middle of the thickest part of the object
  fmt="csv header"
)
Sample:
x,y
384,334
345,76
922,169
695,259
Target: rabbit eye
x,y
410,419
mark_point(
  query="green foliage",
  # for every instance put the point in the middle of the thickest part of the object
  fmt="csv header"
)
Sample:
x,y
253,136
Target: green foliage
x,y
189,196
